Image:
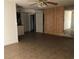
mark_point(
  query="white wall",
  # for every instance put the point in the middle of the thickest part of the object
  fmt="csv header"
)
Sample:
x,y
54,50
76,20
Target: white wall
x,y
20,30
28,20
25,17
30,11
72,22
25,21
10,22
39,21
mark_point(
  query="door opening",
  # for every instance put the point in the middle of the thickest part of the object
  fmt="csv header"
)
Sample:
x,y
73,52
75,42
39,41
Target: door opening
x,y
33,23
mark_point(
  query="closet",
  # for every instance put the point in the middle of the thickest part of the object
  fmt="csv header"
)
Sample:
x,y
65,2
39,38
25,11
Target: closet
x,y
54,20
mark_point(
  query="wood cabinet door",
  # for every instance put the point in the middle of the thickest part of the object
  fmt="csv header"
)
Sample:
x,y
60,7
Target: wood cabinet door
x,y
54,20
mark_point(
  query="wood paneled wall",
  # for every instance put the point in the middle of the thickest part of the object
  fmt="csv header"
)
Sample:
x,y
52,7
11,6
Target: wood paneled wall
x,y
54,20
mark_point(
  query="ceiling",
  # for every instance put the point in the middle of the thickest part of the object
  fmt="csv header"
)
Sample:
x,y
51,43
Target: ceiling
x,y
27,3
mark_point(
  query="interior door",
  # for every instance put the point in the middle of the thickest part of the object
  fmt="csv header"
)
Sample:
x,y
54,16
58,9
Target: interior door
x,y
54,20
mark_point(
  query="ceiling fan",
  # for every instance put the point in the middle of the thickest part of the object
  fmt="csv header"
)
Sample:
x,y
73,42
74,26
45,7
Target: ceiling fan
x,y
43,3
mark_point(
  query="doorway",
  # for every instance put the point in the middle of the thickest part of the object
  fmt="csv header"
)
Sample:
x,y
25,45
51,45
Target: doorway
x,y
33,23
69,23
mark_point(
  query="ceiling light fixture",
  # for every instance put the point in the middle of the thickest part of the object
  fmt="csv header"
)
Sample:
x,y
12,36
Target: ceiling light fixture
x,y
43,3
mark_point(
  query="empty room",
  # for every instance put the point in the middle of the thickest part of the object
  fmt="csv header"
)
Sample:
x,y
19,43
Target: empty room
x,y
39,29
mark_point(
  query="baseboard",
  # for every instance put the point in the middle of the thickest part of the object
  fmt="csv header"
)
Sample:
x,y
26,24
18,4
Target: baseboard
x,y
10,43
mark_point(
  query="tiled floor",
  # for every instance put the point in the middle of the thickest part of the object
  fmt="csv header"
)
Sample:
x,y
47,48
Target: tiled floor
x,y
41,46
